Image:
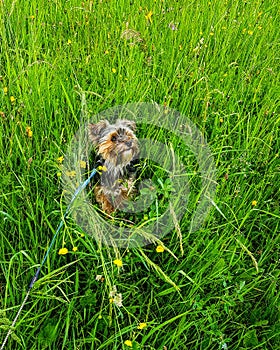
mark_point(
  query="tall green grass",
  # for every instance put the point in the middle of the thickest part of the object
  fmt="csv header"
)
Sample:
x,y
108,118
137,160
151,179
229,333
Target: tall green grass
x,y
217,62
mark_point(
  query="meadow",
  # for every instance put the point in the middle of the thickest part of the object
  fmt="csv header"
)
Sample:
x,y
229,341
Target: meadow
x,y
217,63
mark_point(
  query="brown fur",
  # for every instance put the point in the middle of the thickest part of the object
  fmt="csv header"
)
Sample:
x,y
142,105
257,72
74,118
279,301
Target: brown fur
x,y
118,146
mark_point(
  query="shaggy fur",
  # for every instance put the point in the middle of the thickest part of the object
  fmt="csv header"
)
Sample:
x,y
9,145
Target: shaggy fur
x,y
118,146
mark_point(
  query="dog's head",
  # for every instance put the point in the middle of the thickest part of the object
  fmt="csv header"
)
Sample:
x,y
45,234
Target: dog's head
x,y
115,143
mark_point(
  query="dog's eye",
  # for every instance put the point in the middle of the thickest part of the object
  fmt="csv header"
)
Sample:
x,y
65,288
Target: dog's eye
x,y
114,138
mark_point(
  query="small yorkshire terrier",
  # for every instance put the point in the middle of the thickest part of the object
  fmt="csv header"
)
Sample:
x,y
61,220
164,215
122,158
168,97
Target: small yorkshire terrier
x,y
118,147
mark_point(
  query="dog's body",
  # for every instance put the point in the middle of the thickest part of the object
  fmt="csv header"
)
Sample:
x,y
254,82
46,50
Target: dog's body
x,y
118,147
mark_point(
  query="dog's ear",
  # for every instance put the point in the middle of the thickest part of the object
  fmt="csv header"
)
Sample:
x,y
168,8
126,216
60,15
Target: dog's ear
x,y
127,123
94,130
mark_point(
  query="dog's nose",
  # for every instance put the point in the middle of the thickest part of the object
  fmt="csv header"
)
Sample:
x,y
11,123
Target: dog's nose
x,y
129,143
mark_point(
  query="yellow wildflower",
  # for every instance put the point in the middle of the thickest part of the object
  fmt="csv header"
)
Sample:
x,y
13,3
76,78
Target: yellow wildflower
x,y
148,16
70,173
58,174
102,168
60,159
83,164
250,32
69,42
159,249
12,99
142,325
254,203
128,343
75,249
5,90
118,262
29,132
63,251
114,70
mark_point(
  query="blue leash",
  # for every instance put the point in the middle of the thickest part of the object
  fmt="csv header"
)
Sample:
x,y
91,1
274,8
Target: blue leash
x,y
36,276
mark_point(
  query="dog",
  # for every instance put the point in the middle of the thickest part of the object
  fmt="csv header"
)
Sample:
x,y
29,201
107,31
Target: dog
x,y
117,146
